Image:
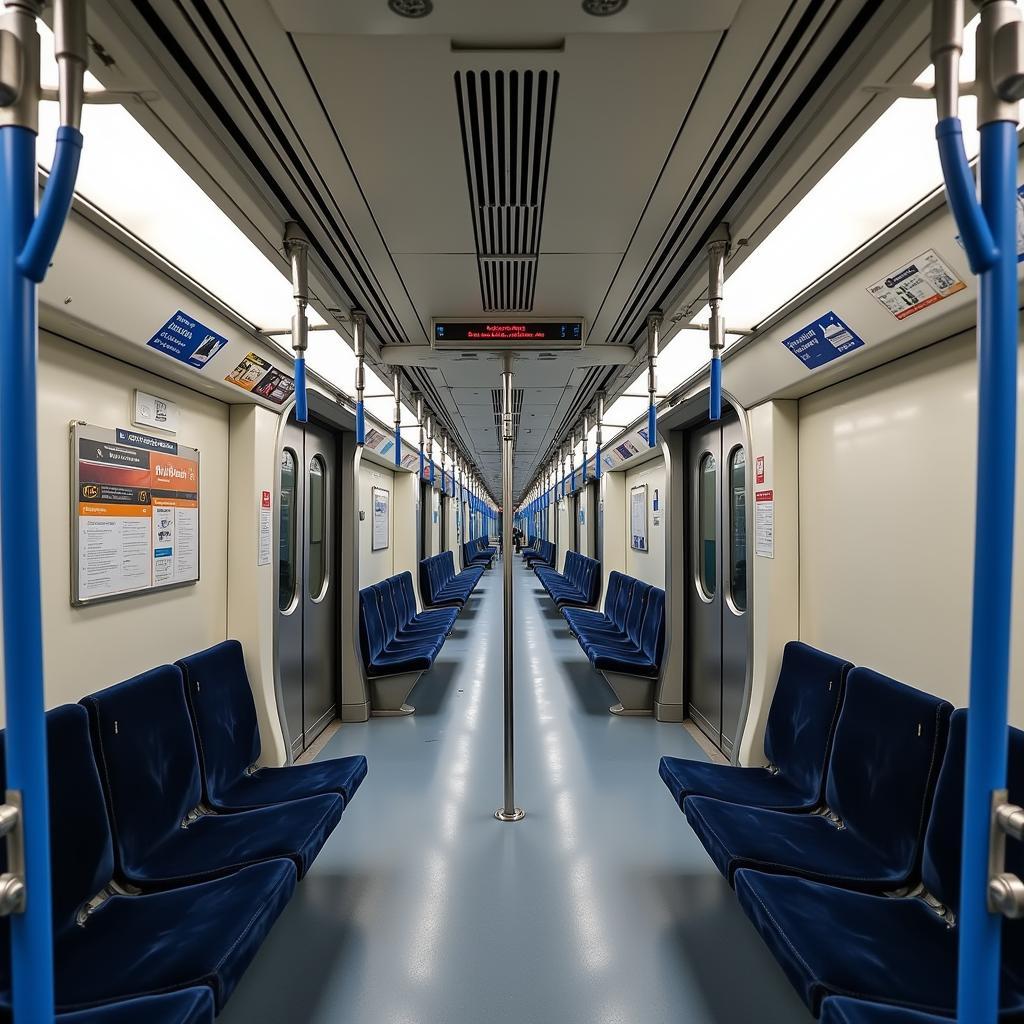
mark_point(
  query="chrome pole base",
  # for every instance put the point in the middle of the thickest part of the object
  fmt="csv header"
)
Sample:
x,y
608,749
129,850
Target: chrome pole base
x,y
517,814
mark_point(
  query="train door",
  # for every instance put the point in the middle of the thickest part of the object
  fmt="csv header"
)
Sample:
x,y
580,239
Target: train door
x,y
426,508
307,594
716,591
574,516
443,513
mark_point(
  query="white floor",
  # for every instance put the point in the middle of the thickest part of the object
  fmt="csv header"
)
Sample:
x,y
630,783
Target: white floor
x,y
599,908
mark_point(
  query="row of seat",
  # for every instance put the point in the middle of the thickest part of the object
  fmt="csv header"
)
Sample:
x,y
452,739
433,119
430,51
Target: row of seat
x,y
540,552
442,586
398,644
172,854
626,641
478,551
845,850
577,586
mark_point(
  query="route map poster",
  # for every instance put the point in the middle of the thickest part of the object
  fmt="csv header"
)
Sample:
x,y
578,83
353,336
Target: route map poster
x,y
135,513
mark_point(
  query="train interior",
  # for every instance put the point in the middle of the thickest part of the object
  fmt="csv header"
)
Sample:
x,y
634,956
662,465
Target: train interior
x,y
507,512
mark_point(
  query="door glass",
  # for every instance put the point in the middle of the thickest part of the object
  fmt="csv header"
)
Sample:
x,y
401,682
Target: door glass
x,y
317,527
738,528
288,525
707,539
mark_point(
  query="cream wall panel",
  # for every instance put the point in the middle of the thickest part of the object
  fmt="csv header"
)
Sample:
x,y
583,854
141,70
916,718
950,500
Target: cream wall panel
x,y
612,524
405,527
647,565
88,648
375,566
887,477
564,536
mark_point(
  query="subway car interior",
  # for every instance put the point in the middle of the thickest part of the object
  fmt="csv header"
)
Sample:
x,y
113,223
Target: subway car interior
x,y
507,512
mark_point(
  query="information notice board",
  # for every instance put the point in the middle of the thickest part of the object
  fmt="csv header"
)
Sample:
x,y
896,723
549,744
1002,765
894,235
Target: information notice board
x,y
135,513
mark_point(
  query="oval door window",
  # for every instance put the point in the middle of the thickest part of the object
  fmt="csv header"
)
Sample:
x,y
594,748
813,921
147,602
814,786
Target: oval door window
x,y
707,538
286,590
738,528
317,528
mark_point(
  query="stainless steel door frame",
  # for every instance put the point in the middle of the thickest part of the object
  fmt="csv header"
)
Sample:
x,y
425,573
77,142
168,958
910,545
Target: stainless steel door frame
x,y
290,540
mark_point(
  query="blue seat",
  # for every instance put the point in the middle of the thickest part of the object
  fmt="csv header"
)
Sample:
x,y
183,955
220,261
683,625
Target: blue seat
x,y
410,620
442,586
797,741
109,946
163,835
477,552
542,554
890,740
190,1006
626,637
577,586
613,618
642,657
384,651
841,1010
833,941
228,741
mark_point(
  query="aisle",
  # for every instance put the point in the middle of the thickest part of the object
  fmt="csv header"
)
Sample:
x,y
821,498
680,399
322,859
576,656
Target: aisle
x,y
599,908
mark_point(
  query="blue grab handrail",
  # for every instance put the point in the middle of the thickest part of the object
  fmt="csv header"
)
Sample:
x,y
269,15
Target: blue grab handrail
x,y
360,423
652,425
301,406
25,757
398,444
715,404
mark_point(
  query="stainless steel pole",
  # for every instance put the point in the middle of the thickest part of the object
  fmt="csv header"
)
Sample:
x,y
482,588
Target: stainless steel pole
x,y
508,811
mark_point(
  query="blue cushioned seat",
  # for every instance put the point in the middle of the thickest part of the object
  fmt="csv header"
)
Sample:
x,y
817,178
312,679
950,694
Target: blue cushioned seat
x,y
430,623
577,585
191,1006
542,554
612,619
841,1010
228,741
644,657
833,941
797,741
626,639
146,752
442,585
382,656
108,946
890,739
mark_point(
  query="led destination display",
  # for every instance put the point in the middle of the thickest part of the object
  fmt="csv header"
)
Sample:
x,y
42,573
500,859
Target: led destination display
x,y
546,334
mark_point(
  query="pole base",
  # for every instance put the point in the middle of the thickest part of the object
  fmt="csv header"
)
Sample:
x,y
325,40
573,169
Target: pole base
x,y
517,814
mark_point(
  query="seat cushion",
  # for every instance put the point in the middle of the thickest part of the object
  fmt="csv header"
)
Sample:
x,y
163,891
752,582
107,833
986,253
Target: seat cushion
x,y
808,845
191,1006
197,935
834,941
756,787
840,1010
340,775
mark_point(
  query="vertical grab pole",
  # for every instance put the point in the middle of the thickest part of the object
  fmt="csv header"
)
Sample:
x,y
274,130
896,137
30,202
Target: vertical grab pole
x,y
396,387
444,463
430,446
718,249
296,245
572,460
597,439
989,236
359,347
27,242
653,341
508,810
586,430
423,435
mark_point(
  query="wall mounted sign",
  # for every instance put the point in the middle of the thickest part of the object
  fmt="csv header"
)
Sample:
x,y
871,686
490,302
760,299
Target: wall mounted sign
x,y
524,333
826,339
255,375
184,338
764,523
381,498
152,411
135,513
916,285
638,517
265,529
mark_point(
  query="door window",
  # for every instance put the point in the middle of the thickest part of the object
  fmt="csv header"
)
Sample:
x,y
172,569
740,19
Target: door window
x,y
738,528
318,553
286,594
707,534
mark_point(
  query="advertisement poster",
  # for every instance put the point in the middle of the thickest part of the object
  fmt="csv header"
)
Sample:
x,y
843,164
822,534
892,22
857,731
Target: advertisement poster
x,y
135,513
927,279
826,339
187,340
638,517
266,529
764,523
381,516
256,375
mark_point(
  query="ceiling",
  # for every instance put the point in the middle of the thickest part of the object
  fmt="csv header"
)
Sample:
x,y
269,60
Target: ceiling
x,y
499,158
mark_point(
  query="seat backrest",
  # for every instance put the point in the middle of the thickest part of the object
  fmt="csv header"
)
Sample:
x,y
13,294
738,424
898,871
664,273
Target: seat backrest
x,y
625,600
388,612
408,592
635,612
401,601
885,762
593,584
940,865
803,716
146,752
652,632
611,595
426,583
223,714
448,564
371,625
81,847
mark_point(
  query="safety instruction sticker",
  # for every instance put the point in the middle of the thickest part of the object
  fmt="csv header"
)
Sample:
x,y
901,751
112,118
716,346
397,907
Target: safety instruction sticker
x,y
916,285
184,338
256,375
764,523
826,339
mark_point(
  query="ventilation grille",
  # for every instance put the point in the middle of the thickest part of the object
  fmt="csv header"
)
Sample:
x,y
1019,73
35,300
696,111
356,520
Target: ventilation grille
x,y
517,412
506,118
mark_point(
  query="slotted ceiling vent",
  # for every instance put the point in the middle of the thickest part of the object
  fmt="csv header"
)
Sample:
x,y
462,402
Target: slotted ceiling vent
x,y
506,119
517,412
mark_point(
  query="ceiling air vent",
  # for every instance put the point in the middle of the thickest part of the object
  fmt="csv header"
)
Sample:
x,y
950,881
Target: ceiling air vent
x,y
517,412
506,118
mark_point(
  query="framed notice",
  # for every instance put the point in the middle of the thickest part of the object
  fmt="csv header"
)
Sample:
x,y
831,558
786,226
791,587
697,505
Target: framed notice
x,y
381,516
638,517
134,513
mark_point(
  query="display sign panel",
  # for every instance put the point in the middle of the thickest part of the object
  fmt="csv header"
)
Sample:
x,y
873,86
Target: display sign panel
x,y
135,513
524,333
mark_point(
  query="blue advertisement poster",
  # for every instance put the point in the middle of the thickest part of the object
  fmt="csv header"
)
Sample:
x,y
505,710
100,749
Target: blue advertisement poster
x,y
187,340
826,339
